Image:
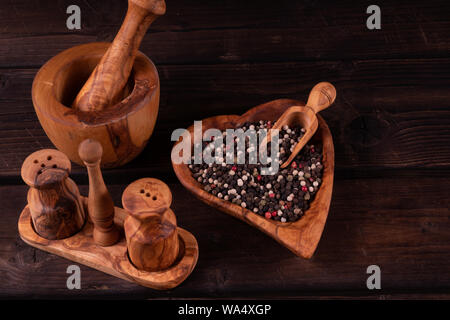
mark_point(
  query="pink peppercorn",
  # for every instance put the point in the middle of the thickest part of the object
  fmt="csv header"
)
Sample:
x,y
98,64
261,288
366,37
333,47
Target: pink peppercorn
x,y
274,214
234,168
304,188
268,215
294,164
258,177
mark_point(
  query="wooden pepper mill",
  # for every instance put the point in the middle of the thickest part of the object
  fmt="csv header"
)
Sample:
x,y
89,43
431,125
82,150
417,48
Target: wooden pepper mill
x,y
106,83
53,199
100,203
151,228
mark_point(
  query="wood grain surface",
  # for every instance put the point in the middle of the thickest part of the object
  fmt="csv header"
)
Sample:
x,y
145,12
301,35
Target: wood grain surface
x,y
104,87
54,202
150,228
321,97
390,125
123,129
302,236
81,248
100,203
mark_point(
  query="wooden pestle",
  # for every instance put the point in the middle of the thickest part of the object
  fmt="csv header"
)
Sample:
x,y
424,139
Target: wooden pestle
x,y
105,85
100,203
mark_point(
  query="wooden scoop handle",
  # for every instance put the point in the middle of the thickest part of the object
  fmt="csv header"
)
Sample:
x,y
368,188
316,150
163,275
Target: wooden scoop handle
x,y
105,84
321,97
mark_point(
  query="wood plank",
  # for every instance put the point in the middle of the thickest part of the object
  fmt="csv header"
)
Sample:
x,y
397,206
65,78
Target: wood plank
x,y
235,31
196,85
390,126
205,14
408,40
392,114
379,221
414,139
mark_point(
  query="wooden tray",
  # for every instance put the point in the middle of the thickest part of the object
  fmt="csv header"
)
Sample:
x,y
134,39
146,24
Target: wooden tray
x,y
113,260
302,236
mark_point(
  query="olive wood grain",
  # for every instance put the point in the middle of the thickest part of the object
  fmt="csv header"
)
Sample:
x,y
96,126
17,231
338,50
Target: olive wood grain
x,y
105,85
123,130
53,198
302,236
150,228
114,260
321,97
100,203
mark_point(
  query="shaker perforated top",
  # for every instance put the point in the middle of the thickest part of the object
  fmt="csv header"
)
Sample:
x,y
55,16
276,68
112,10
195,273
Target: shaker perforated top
x,y
45,167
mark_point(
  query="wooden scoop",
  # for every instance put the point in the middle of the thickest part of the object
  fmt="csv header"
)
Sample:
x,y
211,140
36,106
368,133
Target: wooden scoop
x,y
321,97
105,85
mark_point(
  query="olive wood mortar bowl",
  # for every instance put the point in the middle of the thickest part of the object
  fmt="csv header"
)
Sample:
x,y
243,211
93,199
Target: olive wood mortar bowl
x,y
122,129
301,236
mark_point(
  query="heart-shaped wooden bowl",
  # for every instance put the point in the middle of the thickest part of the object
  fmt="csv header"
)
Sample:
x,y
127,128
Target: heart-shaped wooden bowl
x,y
301,236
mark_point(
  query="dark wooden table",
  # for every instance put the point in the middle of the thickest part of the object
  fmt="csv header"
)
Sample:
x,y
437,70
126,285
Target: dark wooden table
x,y
390,123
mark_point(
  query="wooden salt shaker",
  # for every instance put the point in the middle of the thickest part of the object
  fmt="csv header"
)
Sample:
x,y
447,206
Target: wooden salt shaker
x,y
151,228
53,199
100,203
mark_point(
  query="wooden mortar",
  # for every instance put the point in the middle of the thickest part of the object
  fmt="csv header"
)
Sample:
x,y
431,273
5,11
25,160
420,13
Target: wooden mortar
x,y
122,129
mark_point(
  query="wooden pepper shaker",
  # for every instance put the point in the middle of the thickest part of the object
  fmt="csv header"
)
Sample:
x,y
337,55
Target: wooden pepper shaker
x,y
100,203
151,228
53,199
